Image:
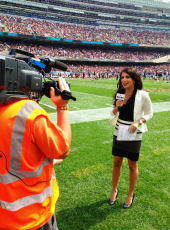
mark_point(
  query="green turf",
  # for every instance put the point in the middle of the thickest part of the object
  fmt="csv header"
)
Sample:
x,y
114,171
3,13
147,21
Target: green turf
x,y
93,94
84,177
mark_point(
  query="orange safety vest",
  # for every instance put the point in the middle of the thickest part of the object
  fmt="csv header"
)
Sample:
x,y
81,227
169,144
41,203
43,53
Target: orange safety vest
x,y
28,193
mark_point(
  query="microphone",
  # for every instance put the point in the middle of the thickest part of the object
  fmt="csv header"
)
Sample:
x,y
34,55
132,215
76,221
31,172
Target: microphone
x,y
120,96
49,62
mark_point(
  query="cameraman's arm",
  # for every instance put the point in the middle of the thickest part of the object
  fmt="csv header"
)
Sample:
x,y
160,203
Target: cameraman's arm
x,y
64,124
49,138
62,115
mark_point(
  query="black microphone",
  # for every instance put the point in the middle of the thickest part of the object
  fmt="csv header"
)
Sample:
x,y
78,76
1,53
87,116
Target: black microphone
x,y
55,64
120,96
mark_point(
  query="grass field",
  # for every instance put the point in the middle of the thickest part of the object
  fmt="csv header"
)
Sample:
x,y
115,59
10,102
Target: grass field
x,y
85,177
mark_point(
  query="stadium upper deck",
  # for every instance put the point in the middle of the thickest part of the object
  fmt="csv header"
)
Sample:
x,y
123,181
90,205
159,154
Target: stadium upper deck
x,y
80,33
78,23
130,13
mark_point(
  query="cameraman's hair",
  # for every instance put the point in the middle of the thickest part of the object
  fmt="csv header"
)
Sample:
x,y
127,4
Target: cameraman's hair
x,y
132,72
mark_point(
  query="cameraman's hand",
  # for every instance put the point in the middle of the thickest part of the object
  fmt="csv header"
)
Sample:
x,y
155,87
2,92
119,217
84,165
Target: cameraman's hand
x,y
57,161
63,85
57,99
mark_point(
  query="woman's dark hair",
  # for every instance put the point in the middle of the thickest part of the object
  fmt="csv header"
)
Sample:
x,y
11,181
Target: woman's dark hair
x,y
132,72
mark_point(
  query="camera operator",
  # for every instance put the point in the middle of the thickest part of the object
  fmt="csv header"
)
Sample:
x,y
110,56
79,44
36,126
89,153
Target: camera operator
x,y
30,143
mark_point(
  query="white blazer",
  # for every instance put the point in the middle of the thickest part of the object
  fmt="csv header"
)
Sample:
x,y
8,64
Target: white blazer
x,y
142,109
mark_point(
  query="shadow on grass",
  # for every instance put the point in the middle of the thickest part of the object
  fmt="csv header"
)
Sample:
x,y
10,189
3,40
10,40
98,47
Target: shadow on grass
x,y
83,217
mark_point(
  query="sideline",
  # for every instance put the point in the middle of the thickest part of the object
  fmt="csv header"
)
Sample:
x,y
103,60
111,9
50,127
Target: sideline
x,y
103,113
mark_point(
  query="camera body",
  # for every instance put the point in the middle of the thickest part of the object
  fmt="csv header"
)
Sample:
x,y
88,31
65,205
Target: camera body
x,y
19,79
16,75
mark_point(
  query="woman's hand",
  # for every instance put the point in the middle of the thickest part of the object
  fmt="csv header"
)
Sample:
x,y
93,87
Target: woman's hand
x,y
119,103
133,127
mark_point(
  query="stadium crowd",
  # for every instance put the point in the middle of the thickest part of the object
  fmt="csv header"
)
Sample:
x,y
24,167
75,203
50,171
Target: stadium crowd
x,y
30,26
44,28
84,53
91,71
107,71
86,71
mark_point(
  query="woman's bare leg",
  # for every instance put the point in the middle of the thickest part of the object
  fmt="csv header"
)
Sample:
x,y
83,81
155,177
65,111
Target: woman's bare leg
x,y
115,176
133,176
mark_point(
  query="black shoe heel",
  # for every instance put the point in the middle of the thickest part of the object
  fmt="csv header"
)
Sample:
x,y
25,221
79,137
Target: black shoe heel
x,y
113,202
128,206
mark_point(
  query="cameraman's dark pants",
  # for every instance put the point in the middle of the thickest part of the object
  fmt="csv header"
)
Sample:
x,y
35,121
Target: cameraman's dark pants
x,y
50,225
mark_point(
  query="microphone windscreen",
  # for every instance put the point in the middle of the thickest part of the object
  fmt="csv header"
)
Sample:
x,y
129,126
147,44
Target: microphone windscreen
x,y
60,65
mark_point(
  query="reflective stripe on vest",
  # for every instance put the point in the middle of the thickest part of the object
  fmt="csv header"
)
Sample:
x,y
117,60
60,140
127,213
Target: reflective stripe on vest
x,y
16,147
15,162
28,200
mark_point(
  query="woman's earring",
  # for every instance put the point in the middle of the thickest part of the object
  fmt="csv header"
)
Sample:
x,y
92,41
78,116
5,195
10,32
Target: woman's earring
x,y
134,82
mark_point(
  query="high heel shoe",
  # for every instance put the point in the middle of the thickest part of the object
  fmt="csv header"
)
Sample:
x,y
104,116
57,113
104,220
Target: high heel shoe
x,y
129,205
113,202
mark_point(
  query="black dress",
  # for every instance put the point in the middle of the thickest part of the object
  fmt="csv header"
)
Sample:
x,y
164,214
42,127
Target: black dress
x,y
128,149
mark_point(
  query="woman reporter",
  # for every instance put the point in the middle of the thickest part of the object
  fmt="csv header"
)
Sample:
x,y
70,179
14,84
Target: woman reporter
x,y
134,111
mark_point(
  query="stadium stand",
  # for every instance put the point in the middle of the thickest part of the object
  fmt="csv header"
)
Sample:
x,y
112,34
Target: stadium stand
x,y
86,53
43,28
140,13
98,30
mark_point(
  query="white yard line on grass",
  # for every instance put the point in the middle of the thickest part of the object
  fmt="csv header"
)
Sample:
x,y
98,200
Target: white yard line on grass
x,y
162,131
103,113
96,86
89,94
48,106
161,107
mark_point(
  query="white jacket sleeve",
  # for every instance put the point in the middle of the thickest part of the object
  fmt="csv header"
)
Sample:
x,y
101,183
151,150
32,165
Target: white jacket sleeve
x,y
111,111
147,107
114,118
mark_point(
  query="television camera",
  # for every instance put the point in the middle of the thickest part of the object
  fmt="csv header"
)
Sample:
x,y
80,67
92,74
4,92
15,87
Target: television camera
x,y
26,77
